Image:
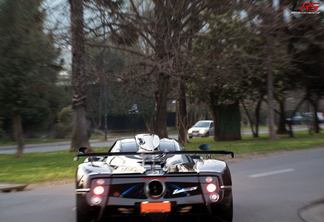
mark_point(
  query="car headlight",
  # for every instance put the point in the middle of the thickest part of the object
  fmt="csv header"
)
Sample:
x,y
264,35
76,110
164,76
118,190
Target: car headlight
x,y
203,131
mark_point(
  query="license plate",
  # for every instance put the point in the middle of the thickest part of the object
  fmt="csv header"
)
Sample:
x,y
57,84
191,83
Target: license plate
x,y
156,207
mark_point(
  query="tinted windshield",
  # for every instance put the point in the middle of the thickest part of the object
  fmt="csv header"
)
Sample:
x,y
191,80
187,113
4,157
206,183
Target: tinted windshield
x,y
202,124
165,146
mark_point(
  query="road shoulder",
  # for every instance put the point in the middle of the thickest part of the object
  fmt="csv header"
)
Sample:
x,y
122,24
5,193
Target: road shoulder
x,y
313,212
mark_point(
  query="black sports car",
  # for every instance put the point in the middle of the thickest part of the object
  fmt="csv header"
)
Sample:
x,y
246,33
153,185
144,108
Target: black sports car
x,y
153,179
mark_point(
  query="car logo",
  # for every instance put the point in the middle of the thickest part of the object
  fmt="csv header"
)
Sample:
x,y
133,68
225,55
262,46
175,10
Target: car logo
x,y
182,190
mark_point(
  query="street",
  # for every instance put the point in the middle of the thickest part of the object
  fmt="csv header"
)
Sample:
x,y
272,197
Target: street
x,y
269,188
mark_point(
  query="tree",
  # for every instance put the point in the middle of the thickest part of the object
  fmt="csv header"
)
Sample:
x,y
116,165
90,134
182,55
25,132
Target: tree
x,y
80,137
28,67
220,58
156,31
121,92
306,48
268,17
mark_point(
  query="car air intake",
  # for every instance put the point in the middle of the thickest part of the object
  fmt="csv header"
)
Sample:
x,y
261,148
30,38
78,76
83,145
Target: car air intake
x,y
155,189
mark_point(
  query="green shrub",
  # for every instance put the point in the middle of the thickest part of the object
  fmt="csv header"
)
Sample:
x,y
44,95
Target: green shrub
x,y
64,126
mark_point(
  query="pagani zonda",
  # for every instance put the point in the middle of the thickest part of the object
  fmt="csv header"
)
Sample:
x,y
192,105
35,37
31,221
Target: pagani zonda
x,y
148,178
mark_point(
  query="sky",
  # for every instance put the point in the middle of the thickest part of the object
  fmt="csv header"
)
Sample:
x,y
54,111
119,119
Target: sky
x,y
58,20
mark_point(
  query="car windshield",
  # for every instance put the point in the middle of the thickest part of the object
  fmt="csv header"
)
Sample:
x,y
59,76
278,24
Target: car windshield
x,y
131,146
202,124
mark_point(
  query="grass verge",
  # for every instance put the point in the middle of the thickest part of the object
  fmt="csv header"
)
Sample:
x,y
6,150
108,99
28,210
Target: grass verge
x,y
55,166
248,144
37,167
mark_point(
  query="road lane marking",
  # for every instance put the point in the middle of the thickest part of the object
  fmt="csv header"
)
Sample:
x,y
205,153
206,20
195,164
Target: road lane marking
x,y
270,173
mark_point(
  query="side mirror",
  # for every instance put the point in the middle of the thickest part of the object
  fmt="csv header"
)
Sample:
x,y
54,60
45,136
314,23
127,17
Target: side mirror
x,y
83,150
204,147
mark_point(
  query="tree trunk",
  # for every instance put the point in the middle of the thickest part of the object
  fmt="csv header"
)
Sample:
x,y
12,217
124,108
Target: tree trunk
x,y
79,78
80,137
227,122
148,125
182,113
316,126
257,117
18,133
105,99
100,105
282,118
291,132
270,91
161,98
251,122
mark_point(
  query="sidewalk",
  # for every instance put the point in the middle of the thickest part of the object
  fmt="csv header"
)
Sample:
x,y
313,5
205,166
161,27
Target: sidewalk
x,y
111,137
36,145
64,145
313,212
50,147
5,187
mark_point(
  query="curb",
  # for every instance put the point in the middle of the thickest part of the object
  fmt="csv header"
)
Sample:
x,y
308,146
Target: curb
x,y
313,212
38,145
12,187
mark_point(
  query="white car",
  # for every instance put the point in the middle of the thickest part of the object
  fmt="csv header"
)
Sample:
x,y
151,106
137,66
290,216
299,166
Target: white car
x,y
201,128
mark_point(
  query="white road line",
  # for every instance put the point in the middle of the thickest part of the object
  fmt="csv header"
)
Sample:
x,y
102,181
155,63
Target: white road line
x,y
270,173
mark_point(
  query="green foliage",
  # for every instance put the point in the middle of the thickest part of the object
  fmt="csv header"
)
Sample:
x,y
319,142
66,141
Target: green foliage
x,y
28,64
110,90
2,133
220,58
65,115
64,126
222,62
307,49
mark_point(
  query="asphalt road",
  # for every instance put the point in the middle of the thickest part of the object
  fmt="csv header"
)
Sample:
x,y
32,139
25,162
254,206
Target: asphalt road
x,y
266,189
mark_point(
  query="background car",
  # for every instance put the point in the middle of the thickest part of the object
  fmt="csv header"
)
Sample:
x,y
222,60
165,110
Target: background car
x,y
309,117
297,119
202,128
305,118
